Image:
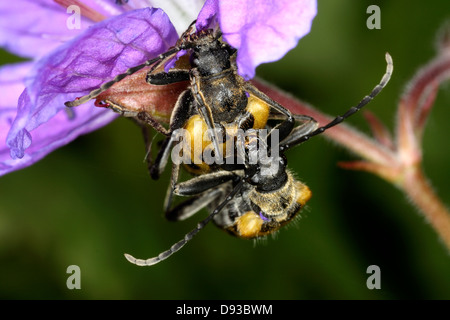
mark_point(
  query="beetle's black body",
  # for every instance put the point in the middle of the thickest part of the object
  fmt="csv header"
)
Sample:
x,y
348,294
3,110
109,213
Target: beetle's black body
x,y
248,200
248,203
217,94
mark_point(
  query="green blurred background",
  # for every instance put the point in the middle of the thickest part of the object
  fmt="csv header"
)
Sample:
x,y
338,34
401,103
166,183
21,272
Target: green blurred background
x,y
91,201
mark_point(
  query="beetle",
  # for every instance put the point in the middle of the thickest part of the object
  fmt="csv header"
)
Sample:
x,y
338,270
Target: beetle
x,y
258,199
217,96
224,103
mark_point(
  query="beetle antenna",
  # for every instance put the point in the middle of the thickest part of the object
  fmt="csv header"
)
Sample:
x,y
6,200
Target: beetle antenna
x,y
384,80
188,237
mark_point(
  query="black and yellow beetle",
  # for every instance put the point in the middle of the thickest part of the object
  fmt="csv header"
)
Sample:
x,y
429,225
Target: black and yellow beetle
x,y
247,199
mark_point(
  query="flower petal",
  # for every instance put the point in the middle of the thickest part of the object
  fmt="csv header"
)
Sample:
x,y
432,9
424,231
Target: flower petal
x,y
64,128
32,28
57,132
75,68
107,8
181,13
264,30
207,16
11,85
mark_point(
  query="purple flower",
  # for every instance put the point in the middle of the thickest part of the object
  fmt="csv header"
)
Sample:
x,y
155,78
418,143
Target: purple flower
x,y
261,30
74,54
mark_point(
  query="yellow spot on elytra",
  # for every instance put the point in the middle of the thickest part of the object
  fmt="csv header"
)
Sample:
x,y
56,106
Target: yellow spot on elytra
x,y
197,128
249,225
260,110
304,193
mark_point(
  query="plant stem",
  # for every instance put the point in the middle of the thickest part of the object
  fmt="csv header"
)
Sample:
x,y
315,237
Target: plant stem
x,y
420,192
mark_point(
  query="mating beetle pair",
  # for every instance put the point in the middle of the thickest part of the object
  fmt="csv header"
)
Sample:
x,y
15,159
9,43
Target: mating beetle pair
x,y
248,199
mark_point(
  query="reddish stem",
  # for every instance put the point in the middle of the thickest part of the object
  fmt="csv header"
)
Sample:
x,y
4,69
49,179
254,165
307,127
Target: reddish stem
x,y
423,196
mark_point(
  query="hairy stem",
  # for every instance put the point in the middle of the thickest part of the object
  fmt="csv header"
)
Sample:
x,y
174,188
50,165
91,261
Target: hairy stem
x,y
420,192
